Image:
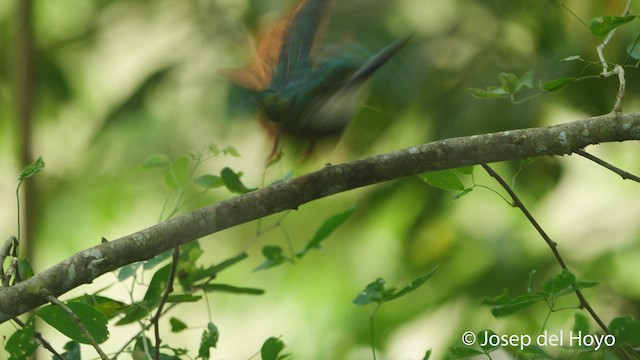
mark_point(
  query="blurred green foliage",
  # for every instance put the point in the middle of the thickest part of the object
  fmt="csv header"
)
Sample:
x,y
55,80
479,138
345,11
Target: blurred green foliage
x,y
120,80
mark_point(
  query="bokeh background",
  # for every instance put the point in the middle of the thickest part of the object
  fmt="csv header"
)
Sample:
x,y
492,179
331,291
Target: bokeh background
x,y
116,81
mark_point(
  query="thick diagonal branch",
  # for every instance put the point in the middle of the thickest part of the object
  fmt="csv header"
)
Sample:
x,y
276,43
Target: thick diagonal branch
x,y
86,265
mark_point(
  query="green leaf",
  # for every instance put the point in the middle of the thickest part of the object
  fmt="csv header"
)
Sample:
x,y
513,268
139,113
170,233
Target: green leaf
x,y
484,344
176,177
209,340
559,284
157,161
32,169
189,276
509,82
94,321
525,81
157,287
443,179
271,348
626,330
133,313
231,151
213,148
602,25
105,305
139,348
24,267
232,182
177,325
459,352
73,351
22,343
275,257
412,286
558,84
325,230
182,298
209,181
374,292
633,50
466,170
490,93
580,323
231,289
128,271
504,305
427,355
571,58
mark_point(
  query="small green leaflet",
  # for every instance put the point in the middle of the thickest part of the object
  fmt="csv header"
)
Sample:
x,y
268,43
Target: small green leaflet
x,y
626,330
375,292
275,256
209,339
443,179
271,349
177,325
32,169
232,181
22,342
92,319
177,176
602,25
156,161
558,84
326,229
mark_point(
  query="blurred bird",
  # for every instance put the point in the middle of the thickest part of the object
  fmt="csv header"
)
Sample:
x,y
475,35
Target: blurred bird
x,y
299,94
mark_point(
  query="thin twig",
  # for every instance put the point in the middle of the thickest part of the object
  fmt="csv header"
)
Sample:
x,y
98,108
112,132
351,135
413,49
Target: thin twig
x,y
605,42
625,175
42,341
552,244
81,327
156,319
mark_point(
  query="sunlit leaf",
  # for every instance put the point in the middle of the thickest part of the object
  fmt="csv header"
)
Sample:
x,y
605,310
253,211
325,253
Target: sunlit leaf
x,y
443,179
94,321
105,305
602,25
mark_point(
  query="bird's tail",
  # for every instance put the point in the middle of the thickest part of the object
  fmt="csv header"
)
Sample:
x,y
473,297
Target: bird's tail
x,y
377,60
